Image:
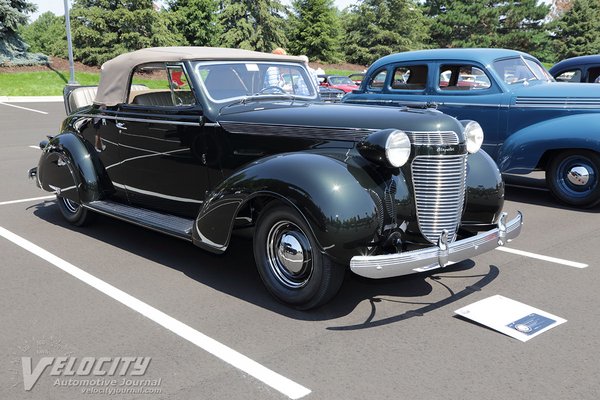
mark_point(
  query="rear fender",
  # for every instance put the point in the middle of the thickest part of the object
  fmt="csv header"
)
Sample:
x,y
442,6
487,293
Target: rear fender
x,y
522,151
333,197
69,168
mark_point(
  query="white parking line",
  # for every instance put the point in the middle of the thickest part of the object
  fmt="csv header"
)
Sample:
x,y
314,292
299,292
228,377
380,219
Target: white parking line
x,y
35,147
3,203
278,382
544,258
24,108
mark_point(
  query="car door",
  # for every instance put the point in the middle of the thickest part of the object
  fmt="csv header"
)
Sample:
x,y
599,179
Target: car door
x,y
162,141
465,90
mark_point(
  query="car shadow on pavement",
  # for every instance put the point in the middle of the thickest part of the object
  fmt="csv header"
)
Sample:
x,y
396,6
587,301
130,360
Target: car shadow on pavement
x,y
235,274
540,197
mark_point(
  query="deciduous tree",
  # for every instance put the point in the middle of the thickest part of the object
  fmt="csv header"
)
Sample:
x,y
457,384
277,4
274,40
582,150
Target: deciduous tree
x,y
47,34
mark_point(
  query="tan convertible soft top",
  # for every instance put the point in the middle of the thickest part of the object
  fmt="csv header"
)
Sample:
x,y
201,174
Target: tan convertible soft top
x,y
114,76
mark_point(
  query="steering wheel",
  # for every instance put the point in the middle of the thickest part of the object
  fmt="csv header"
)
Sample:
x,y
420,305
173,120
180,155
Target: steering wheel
x,y
277,88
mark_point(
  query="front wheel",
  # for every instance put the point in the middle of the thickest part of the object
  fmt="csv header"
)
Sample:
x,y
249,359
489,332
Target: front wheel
x,y
289,261
573,177
73,212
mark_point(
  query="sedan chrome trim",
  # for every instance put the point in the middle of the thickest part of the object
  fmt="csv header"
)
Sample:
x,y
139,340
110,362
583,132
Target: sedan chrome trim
x,y
410,262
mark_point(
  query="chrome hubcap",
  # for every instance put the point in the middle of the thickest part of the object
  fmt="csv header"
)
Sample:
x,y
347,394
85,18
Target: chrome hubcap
x,y
578,175
289,254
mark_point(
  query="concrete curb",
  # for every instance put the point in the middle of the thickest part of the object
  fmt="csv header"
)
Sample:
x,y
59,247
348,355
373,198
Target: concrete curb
x,y
30,99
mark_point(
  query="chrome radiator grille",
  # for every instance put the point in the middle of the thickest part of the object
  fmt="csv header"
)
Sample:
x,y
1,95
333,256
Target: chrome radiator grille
x,y
439,183
433,138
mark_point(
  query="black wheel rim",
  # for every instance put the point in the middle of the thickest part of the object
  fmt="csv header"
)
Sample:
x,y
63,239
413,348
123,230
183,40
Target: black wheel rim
x,y
289,255
576,176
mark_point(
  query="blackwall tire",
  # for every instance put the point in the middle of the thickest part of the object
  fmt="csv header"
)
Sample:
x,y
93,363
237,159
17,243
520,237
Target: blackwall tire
x,y
573,177
73,212
289,261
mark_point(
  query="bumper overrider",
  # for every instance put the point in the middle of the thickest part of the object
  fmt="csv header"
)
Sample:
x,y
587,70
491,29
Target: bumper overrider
x,y
410,262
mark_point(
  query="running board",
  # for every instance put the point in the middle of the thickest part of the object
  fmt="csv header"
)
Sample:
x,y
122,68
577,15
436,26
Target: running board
x,y
165,223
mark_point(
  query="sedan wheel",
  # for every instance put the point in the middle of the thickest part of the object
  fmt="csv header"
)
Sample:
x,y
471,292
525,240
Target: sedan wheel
x,y
289,262
573,177
73,212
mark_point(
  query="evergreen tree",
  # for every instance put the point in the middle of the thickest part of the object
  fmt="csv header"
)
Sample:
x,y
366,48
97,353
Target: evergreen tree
x,y
47,34
103,29
253,24
315,30
521,26
576,32
198,21
13,13
515,24
379,27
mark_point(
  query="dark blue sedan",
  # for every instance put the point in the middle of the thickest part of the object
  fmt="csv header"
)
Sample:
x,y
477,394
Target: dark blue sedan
x,y
584,69
531,122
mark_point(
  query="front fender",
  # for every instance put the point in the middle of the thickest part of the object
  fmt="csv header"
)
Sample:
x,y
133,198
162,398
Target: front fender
x,y
68,167
522,151
485,190
333,196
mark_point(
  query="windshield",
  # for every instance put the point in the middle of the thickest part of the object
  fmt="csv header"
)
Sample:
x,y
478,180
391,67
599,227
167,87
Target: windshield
x,y
519,70
226,81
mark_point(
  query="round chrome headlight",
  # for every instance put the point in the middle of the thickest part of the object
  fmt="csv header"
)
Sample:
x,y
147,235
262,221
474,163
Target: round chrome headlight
x,y
397,148
473,136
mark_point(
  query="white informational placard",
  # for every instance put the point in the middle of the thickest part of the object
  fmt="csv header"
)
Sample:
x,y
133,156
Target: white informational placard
x,y
510,317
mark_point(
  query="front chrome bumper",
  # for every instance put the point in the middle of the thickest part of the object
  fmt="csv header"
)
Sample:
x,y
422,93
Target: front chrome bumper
x,y
410,262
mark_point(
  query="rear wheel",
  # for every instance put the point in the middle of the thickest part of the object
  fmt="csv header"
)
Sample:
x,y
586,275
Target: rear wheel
x,y
73,212
289,261
573,177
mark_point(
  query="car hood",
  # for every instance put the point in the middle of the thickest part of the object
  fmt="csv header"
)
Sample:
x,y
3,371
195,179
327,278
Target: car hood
x,y
359,119
559,94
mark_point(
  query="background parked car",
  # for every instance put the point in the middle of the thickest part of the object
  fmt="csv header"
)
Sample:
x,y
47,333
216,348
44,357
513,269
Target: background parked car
x,y
584,69
357,78
337,82
331,95
232,139
530,121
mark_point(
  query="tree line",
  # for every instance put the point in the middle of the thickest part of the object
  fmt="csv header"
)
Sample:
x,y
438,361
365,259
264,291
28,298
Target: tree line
x,y
359,34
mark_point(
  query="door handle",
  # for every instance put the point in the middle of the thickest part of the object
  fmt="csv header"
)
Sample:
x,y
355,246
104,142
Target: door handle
x,y
121,125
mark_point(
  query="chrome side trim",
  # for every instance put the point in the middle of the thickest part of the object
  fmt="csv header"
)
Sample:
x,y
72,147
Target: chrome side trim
x,y
154,121
303,131
155,194
410,262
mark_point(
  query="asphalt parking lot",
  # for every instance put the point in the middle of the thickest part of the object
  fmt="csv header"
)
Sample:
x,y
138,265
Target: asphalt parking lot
x,y
209,330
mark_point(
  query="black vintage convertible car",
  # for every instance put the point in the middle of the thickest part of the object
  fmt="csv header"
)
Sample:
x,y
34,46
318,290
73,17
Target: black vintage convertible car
x,y
198,142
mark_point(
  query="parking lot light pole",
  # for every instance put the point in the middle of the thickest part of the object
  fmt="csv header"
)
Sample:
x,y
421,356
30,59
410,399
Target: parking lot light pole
x,y
72,80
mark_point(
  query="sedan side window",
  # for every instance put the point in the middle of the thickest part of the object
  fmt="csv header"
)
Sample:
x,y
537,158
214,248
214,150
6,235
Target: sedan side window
x,y
570,76
462,77
378,80
413,77
159,85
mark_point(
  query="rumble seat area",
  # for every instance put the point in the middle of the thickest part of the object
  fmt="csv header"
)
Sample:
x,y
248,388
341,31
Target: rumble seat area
x,y
85,95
